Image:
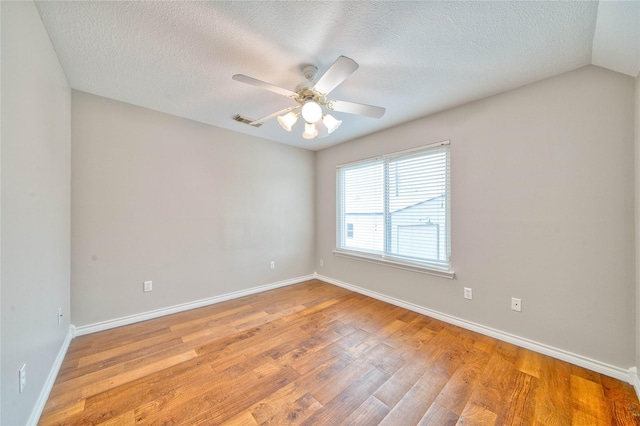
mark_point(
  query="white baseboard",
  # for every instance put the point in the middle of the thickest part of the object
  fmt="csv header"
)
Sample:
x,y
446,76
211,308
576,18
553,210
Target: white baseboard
x,y
51,378
635,380
625,375
131,319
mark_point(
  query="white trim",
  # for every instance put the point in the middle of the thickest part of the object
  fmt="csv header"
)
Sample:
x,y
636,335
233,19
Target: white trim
x,y
384,256
397,153
381,260
131,319
627,375
51,378
634,380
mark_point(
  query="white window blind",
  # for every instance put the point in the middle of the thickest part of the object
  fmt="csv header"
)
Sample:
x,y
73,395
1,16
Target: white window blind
x,y
396,207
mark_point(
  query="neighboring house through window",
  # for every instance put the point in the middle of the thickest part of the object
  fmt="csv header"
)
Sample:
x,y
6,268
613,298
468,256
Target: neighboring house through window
x,y
399,204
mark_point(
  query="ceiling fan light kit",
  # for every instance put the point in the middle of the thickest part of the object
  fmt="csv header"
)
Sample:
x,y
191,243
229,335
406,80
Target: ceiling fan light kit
x,y
288,120
310,131
311,97
311,111
331,123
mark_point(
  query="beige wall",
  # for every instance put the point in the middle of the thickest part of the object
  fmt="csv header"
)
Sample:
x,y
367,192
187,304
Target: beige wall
x,y
637,219
36,110
542,209
199,210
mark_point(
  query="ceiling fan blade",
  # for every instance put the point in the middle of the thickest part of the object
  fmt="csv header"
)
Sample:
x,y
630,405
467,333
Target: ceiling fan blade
x,y
261,84
355,108
342,68
270,116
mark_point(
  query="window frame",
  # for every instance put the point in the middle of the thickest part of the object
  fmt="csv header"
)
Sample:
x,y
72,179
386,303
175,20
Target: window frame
x,y
385,258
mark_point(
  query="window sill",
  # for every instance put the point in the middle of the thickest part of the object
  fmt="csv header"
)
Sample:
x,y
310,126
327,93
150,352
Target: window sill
x,y
395,264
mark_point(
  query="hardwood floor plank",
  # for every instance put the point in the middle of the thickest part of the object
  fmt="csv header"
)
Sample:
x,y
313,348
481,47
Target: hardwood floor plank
x,y
347,401
447,363
457,391
243,419
60,395
323,373
402,381
337,383
73,392
495,384
518,406
187,326
477,415
588,401
530,363
622,400
385,358
227,395
213,331
370,412
156,390
553,404
410,409
285,409
126,352
224,402
311,359
303,354
508,352
61,416
122,336
438,415
274,403
313,353
412,335
124,419
378,335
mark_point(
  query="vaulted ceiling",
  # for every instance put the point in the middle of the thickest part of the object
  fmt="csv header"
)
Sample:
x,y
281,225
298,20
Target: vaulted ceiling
x,y
416,58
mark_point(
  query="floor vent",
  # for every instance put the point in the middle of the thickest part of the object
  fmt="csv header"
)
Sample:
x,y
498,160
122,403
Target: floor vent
x,y
240,119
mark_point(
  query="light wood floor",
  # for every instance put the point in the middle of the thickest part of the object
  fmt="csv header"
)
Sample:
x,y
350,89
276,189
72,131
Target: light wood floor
x,y
317,354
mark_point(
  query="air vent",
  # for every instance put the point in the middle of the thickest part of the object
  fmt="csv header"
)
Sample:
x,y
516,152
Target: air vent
x,y
241,119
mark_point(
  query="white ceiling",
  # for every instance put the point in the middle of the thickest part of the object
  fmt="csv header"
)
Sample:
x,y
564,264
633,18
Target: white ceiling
x,y
415,58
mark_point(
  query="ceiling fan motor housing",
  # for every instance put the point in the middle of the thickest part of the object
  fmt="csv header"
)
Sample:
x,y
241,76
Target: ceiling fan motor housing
x,y
305,92
310,72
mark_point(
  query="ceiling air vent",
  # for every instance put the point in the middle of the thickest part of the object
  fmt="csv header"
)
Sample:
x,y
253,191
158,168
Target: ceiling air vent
x,y
241,119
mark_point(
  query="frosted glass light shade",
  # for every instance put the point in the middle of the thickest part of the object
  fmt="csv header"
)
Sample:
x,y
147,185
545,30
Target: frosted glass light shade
x,y
310,131
311,111
331,123
288,120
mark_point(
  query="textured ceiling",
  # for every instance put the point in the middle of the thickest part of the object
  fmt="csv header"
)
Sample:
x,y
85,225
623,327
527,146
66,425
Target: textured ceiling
x,y
415,58
616,42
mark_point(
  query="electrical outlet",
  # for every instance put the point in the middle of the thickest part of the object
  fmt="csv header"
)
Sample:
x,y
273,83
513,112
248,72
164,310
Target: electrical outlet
x,y
59,316
272,265
22,378
148,286
516,304
468,293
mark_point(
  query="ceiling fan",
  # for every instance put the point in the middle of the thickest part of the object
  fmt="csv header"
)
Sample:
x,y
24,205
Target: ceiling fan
x,y
311,96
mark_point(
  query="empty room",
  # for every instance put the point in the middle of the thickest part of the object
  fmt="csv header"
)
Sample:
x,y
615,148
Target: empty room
x,y
319,213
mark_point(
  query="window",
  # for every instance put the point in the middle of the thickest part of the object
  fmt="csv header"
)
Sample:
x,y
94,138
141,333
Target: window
x,y
399,204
